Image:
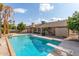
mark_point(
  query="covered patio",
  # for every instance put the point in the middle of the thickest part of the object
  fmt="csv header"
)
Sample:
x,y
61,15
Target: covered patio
x,y
58,28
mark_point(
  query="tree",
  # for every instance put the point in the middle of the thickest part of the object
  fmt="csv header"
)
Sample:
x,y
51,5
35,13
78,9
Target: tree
x,y
8,12
5,13
21,26
1,8
73,22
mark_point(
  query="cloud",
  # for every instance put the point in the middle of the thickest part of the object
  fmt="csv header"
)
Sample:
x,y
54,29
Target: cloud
x,y
57,19
46,20
19,10
38,21
46,7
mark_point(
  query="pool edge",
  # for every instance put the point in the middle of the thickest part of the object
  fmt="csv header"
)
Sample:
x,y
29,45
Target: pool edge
x,y
10,49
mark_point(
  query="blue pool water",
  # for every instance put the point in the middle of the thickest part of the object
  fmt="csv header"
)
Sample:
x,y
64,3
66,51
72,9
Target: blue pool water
x,y
27,45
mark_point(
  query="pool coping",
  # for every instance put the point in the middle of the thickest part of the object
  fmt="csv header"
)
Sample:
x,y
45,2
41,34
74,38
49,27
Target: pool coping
x,y
10,48
47,37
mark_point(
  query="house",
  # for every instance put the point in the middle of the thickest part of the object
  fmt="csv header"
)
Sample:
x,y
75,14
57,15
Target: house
x,y
57,28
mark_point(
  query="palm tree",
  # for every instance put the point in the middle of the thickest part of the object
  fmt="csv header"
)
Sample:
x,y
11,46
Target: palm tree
x,y
7,13
1,8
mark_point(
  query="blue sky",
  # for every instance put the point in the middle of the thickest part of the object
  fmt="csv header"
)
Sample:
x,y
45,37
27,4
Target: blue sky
x,y
36,12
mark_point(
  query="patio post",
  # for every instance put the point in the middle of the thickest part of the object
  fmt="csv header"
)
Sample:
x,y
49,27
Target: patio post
x,y
41,31
0,24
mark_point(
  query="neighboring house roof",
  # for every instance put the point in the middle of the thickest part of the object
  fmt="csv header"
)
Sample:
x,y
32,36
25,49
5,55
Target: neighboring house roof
x,y
53,24
62,23
56,24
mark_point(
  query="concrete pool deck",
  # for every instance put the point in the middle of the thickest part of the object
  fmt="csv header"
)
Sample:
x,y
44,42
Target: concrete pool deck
x,y
73,45
3,48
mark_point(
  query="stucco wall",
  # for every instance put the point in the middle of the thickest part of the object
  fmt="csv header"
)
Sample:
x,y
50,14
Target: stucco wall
x,y
61,32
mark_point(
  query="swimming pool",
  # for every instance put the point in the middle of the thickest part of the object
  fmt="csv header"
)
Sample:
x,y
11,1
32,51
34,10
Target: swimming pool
x,y
27,45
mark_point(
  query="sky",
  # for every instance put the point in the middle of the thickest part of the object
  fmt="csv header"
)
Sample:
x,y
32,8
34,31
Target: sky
x,y
29,13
